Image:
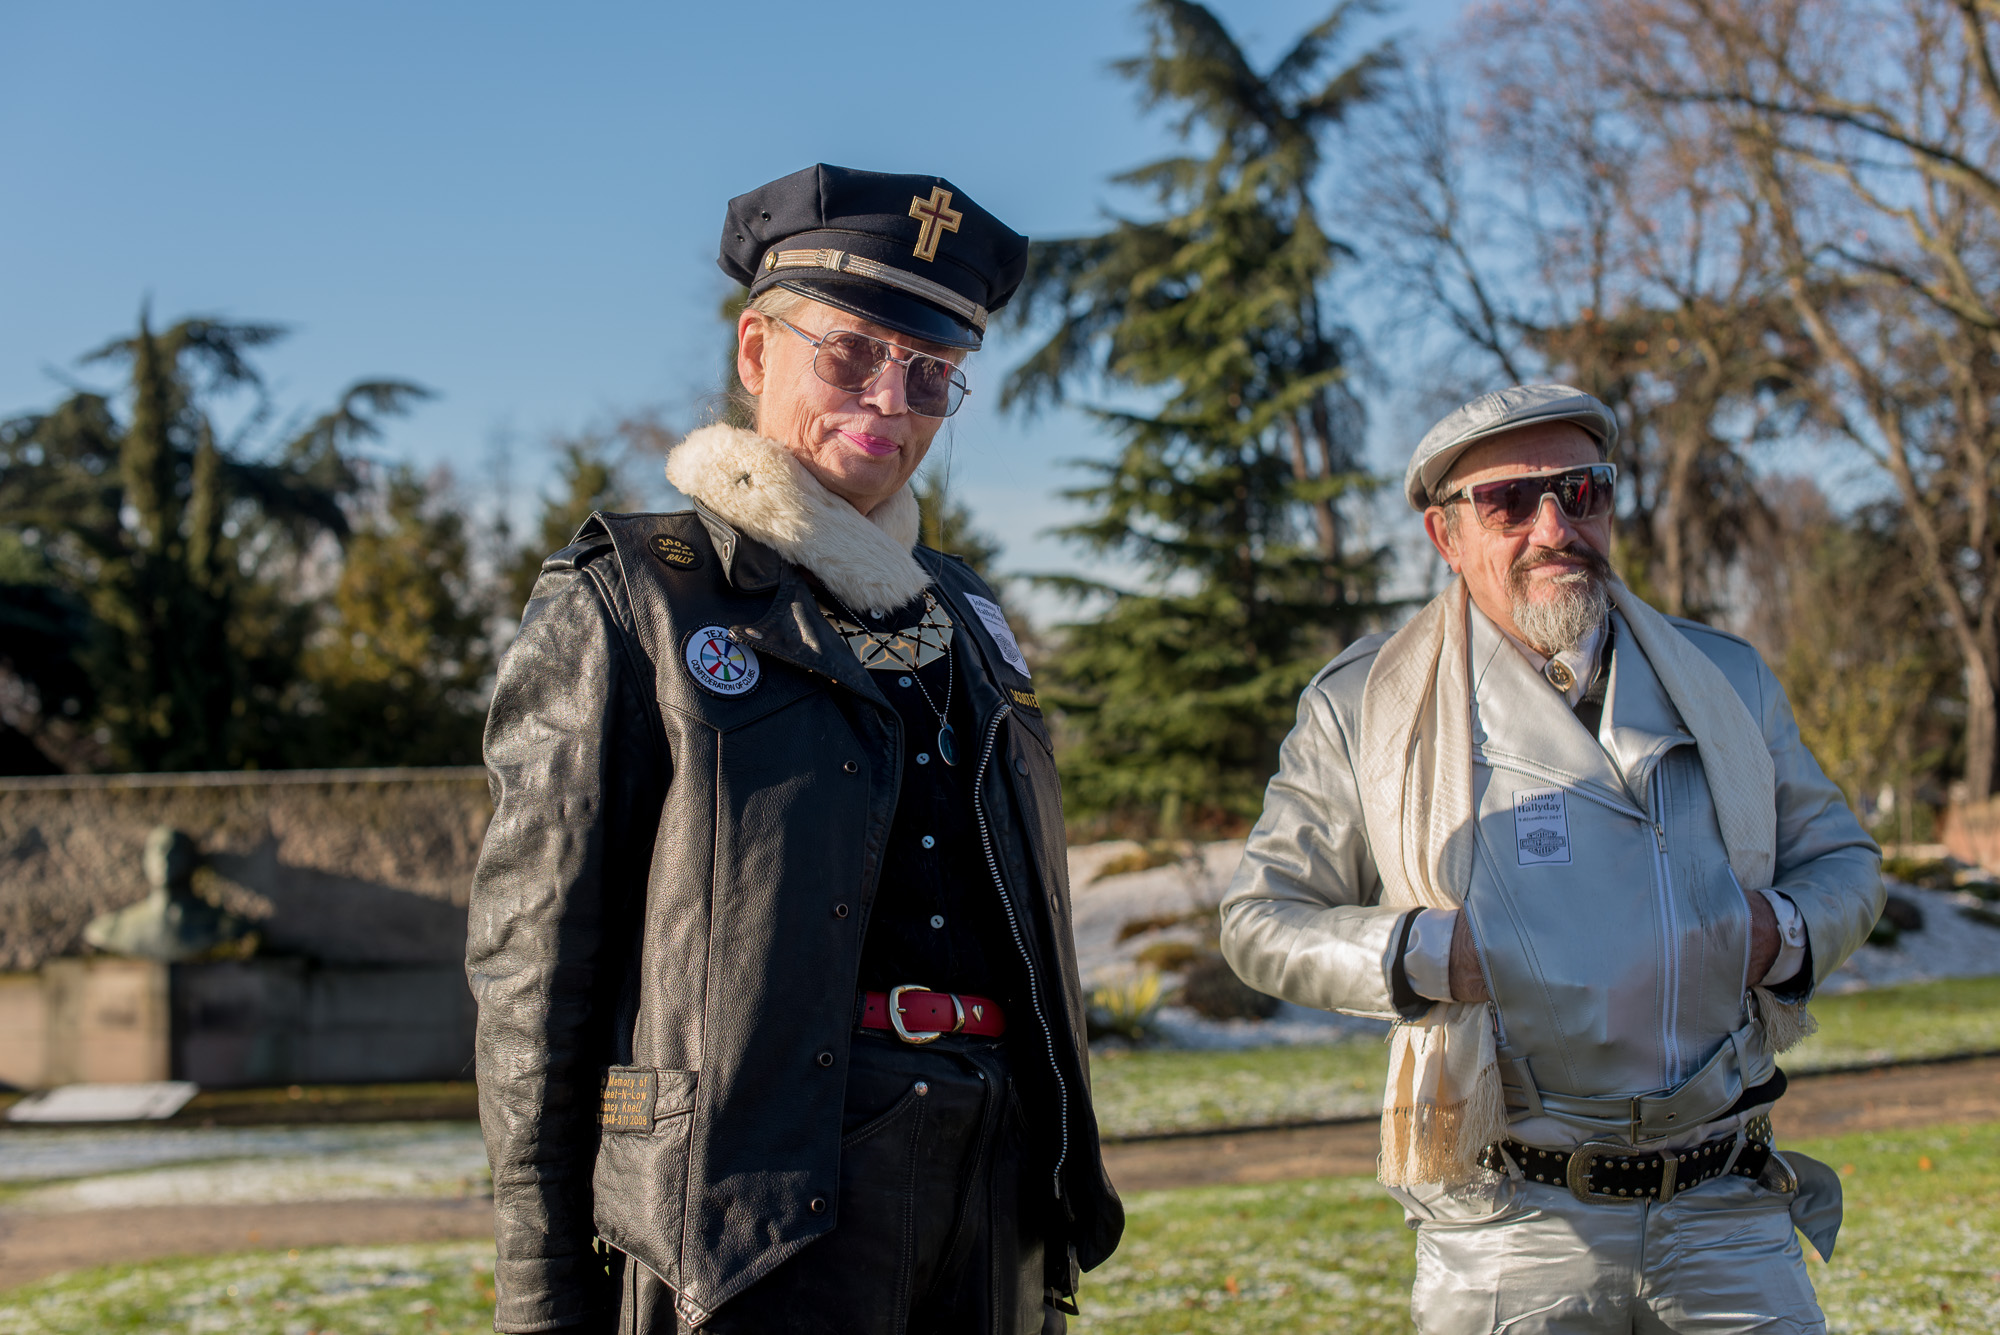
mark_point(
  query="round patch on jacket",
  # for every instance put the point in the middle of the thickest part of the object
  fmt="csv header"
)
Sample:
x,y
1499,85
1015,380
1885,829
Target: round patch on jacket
x,y
720,663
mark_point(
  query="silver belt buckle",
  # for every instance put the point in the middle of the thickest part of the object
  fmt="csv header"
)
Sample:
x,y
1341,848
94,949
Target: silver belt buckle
x,y
896,1014
1584,1157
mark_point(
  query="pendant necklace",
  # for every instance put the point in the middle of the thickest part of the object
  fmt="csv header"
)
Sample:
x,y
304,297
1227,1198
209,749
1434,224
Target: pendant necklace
x,y
906,651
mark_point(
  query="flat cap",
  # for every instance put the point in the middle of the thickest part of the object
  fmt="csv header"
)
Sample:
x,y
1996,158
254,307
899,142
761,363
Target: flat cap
x,y
909,252
1489,415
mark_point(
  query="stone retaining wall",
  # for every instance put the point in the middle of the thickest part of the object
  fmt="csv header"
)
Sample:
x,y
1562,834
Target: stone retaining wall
x,y
345,867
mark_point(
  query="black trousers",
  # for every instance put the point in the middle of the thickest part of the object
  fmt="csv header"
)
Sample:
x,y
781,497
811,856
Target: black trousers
x,y
936,1230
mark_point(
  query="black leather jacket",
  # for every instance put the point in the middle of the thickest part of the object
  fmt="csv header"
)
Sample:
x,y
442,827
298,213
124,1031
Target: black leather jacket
x,y
667,920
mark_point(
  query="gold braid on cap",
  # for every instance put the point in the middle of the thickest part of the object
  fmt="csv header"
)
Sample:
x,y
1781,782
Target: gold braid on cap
x,y
841,261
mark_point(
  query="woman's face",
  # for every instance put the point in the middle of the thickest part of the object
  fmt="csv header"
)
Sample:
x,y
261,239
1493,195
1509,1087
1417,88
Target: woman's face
x,y
862,447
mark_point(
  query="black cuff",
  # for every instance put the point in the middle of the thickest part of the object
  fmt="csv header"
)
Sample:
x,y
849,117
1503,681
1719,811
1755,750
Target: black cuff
x,y
1405,998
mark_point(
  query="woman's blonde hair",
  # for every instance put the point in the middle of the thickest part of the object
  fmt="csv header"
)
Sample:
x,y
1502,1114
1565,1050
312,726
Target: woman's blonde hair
x,y
773,303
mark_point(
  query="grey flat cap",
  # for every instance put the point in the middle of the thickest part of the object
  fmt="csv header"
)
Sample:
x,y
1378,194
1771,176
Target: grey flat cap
x,y
1489,415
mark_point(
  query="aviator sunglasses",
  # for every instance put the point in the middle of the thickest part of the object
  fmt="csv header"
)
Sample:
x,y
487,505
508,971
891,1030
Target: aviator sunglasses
x,y
1512,503
932,386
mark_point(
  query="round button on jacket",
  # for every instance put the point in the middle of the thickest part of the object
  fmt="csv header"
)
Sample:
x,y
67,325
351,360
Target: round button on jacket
x,y
840,910
1020,765
850,766
817,1205
826,1059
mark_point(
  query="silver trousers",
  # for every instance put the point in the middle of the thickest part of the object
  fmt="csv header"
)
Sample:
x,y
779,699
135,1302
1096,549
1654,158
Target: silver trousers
x,y
1525,1258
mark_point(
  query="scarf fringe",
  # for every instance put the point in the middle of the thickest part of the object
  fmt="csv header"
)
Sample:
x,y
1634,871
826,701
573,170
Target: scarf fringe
x,y
1785,1023
1441,1142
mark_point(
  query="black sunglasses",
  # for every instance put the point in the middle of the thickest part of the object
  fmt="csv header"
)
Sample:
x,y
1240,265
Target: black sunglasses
x,y
1512,503
932,386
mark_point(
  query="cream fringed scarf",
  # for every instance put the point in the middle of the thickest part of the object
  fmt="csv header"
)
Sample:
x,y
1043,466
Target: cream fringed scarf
x,y
1443,1102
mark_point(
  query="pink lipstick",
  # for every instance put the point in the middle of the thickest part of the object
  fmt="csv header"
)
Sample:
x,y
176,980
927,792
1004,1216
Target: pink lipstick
x,y
870,444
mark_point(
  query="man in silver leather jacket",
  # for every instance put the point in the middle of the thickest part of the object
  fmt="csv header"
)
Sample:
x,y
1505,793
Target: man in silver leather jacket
x,y
1636,1187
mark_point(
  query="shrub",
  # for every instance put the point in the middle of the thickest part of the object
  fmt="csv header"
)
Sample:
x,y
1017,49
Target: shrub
x,y
1211,988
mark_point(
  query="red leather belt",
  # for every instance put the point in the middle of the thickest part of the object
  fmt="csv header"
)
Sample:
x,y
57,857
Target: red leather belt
x,y
919,1015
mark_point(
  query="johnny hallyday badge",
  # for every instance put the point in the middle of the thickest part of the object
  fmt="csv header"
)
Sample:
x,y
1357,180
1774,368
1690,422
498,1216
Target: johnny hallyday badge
x,y
721,664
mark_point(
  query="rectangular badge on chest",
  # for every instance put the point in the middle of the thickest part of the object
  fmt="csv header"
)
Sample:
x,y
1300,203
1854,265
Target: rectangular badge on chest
x,y
1541,827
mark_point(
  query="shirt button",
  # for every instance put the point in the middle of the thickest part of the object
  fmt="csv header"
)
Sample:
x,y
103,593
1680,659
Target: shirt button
x,y
840,910
929,842
902,681
937,920
923,758
826,1059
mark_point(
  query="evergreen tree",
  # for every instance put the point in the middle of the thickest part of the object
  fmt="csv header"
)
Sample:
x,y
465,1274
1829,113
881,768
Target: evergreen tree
x,y
397,667
168,535
1231,491
946,525
589,481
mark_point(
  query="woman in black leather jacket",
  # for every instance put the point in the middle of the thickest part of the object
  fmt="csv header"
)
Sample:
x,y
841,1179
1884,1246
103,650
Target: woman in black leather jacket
x,y
779,1019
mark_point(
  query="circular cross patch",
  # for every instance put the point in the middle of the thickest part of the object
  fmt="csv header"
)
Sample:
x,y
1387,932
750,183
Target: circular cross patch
x,y
720,663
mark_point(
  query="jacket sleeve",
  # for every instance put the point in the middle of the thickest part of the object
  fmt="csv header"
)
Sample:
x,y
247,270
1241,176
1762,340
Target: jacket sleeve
x,y
572,764
1826,864
1301,919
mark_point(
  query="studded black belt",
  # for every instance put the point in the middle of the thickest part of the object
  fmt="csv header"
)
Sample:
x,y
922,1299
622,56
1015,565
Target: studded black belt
x,y
1603,1171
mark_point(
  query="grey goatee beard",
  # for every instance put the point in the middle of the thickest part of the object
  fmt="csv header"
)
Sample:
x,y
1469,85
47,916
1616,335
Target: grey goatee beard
x,y
1578,603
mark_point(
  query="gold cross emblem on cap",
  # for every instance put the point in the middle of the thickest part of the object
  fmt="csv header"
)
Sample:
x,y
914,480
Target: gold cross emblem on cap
x,y
937,216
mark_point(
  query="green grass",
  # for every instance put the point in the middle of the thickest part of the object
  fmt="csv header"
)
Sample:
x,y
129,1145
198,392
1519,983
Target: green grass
x,y
1150,1091
412,1290
1902,1023
1144,1092
1920,1252
1920,1249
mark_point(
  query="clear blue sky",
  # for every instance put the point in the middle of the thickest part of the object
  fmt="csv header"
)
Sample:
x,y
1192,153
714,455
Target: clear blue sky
x,y
518,205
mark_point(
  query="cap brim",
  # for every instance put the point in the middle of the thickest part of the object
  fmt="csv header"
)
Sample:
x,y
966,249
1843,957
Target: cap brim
x,y
885,306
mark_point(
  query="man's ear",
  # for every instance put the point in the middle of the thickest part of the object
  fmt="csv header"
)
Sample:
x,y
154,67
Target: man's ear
x,y
1439,531
752,344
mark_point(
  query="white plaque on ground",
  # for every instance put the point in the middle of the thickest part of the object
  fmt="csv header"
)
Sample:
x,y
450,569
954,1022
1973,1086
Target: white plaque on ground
x,y
105,1103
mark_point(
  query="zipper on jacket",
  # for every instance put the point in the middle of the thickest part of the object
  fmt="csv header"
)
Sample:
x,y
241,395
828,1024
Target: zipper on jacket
x,y
1020,940
1669,934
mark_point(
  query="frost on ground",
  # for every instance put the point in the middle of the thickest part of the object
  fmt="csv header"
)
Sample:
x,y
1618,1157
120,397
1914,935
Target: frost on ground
x,y
77,1169
1950,945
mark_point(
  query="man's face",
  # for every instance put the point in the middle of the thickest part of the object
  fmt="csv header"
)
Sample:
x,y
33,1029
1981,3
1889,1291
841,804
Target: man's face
x,y
1546,581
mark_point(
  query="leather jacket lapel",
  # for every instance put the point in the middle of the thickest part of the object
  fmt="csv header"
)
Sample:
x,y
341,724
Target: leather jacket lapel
x,y
1640,723
1521,722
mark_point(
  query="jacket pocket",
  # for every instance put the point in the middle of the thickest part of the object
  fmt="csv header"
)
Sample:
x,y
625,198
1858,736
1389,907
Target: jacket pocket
x,y
640,1098
639,1184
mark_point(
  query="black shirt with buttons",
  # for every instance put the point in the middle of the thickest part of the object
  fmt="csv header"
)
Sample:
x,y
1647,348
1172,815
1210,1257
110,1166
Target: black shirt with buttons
x,y
937,920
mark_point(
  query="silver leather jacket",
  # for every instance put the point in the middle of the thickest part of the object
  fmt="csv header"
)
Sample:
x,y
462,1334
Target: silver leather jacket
x,y
1613,935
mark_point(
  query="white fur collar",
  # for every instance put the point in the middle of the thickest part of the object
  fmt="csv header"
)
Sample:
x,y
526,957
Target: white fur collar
x,y
754,482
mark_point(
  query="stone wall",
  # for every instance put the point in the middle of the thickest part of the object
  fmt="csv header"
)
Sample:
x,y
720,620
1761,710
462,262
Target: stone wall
x,y
343,867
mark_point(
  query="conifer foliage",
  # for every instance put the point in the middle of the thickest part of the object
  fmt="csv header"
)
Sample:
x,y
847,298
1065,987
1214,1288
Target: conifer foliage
x,y
1232,488
170,541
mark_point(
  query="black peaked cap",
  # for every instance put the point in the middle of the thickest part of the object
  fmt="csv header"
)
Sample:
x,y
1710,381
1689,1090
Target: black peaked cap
x,y
909,252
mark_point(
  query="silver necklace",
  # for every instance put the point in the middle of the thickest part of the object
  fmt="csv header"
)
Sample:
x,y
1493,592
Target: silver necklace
x,y
908,650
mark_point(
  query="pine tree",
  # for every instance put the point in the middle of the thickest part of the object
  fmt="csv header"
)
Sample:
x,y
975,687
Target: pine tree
x,y
171,537
1232,492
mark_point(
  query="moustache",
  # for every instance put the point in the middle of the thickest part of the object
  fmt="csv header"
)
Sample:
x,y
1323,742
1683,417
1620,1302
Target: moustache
x,y
1594,564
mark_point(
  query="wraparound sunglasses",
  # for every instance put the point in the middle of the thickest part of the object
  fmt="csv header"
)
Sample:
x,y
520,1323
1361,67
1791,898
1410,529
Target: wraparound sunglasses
x,y
853,362
1511,503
